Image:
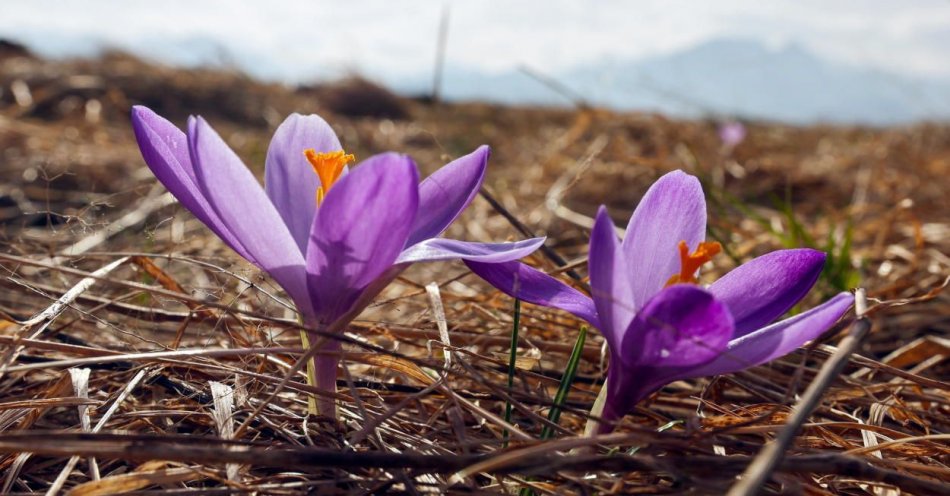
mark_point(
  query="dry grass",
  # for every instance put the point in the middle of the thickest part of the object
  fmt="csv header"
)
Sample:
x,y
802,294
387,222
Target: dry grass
x,y
158,309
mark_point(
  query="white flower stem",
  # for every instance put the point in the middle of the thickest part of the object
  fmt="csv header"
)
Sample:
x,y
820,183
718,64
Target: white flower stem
x,y
311,374
593,425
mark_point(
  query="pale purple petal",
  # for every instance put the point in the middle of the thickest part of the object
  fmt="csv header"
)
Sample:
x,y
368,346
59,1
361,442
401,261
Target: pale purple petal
x,y
610,280
776,340
681,326
435,249
289,179
764,288
446,193
533,286
235,195
165,150
672,210
360,230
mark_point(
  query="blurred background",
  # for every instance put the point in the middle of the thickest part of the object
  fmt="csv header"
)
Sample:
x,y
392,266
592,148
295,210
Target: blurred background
x,y
876,62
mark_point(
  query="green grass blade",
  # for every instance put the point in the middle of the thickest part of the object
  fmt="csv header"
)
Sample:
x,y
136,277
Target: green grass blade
x,y
512,359
562,389
566,381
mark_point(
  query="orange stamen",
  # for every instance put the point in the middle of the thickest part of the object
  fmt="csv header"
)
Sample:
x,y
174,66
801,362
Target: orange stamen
x,y
691,262
328,167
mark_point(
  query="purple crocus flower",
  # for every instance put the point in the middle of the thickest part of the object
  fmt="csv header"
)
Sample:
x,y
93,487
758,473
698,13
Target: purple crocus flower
x,y
659,325
332,238
731,133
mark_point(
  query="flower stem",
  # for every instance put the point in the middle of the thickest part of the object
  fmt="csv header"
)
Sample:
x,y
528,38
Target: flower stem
x,y
325,363
593,426
311,374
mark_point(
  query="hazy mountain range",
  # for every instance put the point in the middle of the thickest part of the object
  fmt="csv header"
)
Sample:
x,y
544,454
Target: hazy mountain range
x,y
719,78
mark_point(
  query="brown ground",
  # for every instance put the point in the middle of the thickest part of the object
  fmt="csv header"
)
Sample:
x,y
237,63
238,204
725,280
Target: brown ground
x,y
72,170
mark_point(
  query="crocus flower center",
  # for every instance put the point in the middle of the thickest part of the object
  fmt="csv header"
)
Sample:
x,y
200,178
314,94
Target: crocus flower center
x,y
329,167
691,262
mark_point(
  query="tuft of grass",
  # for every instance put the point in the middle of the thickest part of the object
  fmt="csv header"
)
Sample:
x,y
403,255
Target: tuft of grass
x,y
839,273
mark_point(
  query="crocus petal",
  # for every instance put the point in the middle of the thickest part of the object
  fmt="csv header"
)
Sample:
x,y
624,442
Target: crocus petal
x,y
435,249
776,340
764,288
240,202
533,286
165,150
366,296
672,210
446,193
610,281
681,326
289,179
360,230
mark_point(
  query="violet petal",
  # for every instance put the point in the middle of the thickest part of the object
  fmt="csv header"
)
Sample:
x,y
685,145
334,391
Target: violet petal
x,y
682,326
360,230
240,202
446,193
289,179
610,282
533,286
761,290
366,296
435,249
672,210
776,340
165,150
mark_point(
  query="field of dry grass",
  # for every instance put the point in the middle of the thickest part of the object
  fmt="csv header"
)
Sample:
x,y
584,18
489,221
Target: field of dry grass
x,y
188,346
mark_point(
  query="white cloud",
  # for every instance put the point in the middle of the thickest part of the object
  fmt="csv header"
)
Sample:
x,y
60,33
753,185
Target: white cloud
x,y
297,39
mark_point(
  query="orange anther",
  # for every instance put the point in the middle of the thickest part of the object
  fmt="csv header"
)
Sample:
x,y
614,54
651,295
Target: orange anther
x,y
328,167
691,262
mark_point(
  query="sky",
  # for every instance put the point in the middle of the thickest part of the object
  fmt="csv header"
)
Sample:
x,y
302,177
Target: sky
x,y
296,41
